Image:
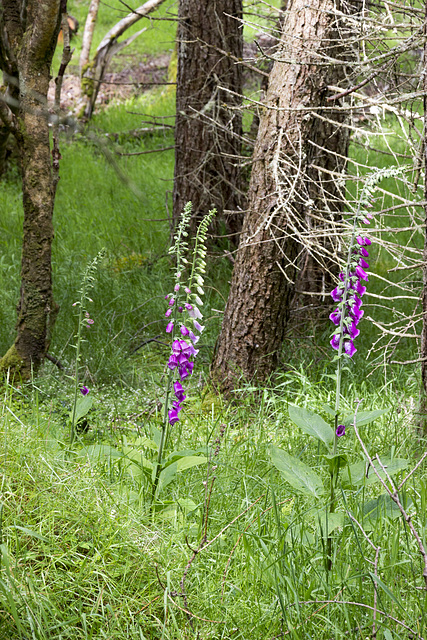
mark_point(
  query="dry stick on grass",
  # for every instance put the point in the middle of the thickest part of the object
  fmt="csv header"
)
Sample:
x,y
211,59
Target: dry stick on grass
x,y
393,493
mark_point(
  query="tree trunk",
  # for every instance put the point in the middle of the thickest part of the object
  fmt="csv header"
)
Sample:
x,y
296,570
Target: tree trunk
x,y
281,198
88,34
208,122
32,36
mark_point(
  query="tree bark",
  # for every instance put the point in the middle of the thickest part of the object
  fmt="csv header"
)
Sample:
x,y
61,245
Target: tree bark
x,y
88,34
292,142
208,122
32,35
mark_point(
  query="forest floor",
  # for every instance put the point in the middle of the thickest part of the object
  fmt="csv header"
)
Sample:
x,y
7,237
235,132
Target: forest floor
x,y
126,79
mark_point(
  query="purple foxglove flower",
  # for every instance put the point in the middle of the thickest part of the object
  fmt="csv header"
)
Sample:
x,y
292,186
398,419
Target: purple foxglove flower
x,y
179,391
363,241
176,347
188,306
171,302
176,287
195,313
337,294
335,342
168,312
361,274
363,263
184,346
180,309
169,327
198,326
84,391
340,430
352,330
183,372
194,339
187,290
366,221
335,317
172,362
360,288
341,276
354,301
184,331
173,416
190,367
176,405
349,348
363,252
182,359
356,313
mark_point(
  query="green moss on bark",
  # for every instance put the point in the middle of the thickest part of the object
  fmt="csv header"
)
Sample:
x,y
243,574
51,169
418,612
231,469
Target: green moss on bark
x,y
12,362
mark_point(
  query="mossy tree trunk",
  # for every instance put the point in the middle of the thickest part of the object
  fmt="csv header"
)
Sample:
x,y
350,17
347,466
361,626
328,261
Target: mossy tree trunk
x,y
291,147
31,34
208,121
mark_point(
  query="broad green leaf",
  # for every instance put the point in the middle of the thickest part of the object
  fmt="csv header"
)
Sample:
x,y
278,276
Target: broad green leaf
x,y
336,462
145,442
133,454
380,507
297,473
176,455
329,409
362,473
169,473
312,424
187,505
190,461
83,406
326,523
364,417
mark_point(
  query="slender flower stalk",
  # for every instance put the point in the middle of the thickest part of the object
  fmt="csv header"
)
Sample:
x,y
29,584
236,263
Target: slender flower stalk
x,y
183,315
348,313
84,322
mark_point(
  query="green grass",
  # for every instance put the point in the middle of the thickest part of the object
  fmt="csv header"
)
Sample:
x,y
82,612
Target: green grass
x,y
83,559
82,556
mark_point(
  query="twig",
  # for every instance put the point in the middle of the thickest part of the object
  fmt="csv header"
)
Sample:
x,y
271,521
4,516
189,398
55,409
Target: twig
x,y
142,153
411,472
55,361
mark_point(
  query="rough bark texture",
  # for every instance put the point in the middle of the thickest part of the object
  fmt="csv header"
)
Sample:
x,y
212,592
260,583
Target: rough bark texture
x,y
280,198
32,36
208,127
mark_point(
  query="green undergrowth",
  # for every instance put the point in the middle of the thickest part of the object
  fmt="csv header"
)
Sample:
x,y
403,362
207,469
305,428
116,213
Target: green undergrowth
x,y
83,556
